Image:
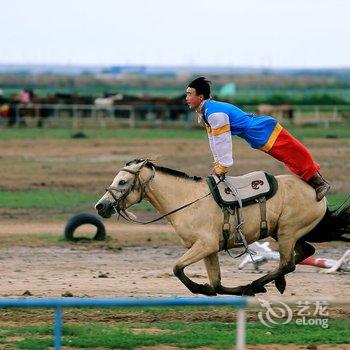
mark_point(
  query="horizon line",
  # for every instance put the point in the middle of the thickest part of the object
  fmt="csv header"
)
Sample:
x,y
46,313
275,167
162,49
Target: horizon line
x,y
162,65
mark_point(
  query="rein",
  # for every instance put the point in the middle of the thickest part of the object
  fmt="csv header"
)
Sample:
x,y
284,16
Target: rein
x,y
119,204
127,217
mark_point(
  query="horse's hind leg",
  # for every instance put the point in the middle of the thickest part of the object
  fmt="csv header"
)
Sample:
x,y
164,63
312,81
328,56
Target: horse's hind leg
x,y
213,269
302,251
286,265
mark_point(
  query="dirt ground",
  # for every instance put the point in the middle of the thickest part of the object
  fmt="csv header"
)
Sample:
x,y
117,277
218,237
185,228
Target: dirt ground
x,y
89,165
135,260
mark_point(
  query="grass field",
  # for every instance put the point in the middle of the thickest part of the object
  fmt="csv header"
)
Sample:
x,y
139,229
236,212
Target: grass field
x,y
341,130
66,202
216,335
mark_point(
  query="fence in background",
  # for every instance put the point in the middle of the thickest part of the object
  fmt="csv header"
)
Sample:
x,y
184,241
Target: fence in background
x,y
59,303
60,115
305,114
104,116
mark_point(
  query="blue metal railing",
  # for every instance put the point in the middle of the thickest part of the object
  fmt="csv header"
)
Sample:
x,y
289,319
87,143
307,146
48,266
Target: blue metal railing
x,y
59,303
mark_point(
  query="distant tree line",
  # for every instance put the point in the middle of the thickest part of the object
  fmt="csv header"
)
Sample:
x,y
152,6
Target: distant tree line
x,y
281,98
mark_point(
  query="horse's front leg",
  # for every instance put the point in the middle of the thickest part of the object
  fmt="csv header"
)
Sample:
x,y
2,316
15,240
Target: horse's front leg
x,y
197,252
213,269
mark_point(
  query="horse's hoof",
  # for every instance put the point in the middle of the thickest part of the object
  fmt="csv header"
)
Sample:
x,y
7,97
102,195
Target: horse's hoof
x,y
252,289
248,290
280,284
208,290
259,289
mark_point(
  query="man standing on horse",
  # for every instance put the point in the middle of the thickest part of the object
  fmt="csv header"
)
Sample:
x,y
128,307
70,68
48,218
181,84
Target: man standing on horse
x,y
223,120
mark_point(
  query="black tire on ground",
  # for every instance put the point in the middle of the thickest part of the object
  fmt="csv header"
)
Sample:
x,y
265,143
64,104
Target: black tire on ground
x,y
81,219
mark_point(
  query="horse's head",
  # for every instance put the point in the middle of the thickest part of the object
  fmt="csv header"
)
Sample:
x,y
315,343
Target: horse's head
x,y
127,188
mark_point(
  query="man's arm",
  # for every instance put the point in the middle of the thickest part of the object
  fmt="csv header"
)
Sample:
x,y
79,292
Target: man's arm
x,y
211,144
220,141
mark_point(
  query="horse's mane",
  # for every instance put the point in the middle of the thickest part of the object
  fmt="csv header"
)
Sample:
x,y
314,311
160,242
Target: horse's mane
x,y
165,170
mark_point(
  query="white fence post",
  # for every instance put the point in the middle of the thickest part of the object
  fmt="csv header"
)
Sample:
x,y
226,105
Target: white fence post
x,y
132,118
241,329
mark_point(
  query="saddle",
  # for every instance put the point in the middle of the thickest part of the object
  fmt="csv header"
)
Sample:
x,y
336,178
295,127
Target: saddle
x,y
250,188
235,192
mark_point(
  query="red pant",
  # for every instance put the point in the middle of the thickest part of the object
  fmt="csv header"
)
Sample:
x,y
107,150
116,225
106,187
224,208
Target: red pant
x,y
294,155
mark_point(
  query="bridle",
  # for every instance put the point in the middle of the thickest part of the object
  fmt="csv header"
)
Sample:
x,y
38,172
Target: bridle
x,y
119,203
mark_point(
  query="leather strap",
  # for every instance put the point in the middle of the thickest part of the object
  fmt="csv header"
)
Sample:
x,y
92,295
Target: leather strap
x,y
263,221
226,227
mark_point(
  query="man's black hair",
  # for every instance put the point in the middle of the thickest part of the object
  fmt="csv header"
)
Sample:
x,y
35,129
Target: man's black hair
x,y
202,86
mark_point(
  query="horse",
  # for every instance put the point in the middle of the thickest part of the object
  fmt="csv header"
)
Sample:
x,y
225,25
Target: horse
x,y
294,218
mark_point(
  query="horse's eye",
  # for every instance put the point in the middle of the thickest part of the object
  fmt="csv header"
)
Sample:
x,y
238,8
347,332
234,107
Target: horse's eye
x,y
122,182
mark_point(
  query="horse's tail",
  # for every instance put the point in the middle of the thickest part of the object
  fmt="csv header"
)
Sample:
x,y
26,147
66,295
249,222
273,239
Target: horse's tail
x,y
333,227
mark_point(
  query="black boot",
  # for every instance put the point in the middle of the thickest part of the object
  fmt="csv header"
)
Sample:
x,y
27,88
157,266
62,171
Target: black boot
x,y
320,185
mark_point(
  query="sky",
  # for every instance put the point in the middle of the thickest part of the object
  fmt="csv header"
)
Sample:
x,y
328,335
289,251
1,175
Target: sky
x,y
248,33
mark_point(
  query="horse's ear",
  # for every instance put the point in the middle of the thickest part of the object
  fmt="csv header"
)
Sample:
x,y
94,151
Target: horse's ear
x,y
144,162
135,161
148,160
141,162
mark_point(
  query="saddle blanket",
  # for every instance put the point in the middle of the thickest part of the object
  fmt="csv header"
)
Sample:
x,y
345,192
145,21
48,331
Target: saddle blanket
x,y
250,187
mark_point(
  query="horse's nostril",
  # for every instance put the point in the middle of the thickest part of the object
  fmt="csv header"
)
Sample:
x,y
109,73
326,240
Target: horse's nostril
x,y
99,206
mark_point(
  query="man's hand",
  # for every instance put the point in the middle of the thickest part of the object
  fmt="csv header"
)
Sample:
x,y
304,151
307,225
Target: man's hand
x,y
220,169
